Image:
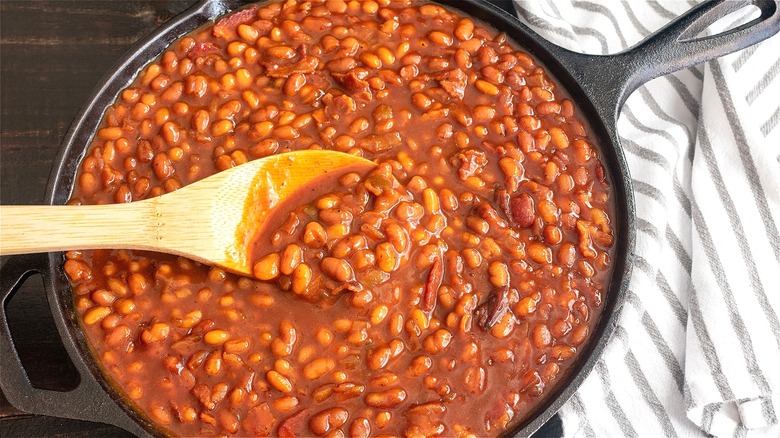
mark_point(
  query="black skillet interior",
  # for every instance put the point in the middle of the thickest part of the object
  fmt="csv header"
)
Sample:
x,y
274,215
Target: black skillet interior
x,y
598,84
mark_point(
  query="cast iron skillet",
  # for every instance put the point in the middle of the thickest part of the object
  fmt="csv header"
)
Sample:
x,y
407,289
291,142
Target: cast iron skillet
x,y
599,85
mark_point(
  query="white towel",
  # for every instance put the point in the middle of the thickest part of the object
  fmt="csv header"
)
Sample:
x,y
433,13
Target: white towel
x,y
697,348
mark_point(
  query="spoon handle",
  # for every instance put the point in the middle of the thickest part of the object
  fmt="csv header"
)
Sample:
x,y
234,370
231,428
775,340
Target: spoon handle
x,y
45,228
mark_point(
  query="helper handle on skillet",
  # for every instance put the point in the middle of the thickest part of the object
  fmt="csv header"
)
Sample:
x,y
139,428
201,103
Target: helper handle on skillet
x,y
86,402
610,79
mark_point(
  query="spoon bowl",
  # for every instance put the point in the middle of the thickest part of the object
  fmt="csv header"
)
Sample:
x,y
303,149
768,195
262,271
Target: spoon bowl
x,y
212,221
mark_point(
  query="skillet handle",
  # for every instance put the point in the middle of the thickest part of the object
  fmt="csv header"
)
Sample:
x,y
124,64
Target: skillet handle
x,y
88,401
677,45
610,79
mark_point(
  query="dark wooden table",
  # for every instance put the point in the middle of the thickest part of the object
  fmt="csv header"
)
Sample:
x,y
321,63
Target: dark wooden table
x,y
52,54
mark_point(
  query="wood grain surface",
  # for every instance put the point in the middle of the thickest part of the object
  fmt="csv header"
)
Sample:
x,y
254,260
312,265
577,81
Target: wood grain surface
x,y
52,54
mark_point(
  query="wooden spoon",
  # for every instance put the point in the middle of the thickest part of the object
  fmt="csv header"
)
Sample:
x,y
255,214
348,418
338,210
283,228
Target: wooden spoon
x,y
212,221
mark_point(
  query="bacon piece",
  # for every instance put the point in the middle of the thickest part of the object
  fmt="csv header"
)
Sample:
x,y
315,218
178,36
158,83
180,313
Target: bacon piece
x,y
203,394
202,49
263,26
259,420
294,425
600,174
471,163
454,82
492,310
306,65
226,27
432,285
487,212
503,199
186,344
318,80
337,106
346,287
354,84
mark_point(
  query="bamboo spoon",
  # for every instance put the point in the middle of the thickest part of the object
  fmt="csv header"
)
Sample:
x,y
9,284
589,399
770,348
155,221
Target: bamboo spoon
x,y
210,221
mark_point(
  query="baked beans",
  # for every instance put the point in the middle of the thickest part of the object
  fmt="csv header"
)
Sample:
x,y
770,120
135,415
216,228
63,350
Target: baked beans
x,y
444,292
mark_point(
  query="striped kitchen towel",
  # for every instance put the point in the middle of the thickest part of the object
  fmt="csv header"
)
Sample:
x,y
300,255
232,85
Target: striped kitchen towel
x,y
697,348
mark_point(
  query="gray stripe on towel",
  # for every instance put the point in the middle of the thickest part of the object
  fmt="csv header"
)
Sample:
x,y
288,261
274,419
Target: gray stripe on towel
x,y
601,10
677,307
618,414
747,160
764,82
735,318
645,389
